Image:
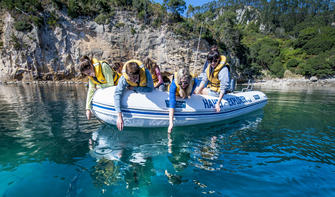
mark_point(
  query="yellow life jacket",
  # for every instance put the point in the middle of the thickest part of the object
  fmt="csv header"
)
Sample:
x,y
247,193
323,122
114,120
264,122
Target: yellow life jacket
x,y
178,89
154,78
143,77
213,78
116,77
99,77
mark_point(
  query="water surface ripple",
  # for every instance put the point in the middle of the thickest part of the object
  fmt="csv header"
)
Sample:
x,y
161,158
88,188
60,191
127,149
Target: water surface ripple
x,y
48,148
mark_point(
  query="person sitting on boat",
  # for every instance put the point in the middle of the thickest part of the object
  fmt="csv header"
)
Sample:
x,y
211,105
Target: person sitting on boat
x,y
134,77
182,86
217,76
100,75
157,78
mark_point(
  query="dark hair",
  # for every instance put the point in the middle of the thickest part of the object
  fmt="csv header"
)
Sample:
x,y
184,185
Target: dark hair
x,y
214,48
117,65
132,69
150,65
84,63
213,55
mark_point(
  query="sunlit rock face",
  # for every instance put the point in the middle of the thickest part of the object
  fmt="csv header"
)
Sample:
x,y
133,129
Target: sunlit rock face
x,y
53,52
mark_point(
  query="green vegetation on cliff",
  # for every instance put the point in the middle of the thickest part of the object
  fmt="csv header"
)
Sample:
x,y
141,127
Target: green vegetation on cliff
x,y
274,36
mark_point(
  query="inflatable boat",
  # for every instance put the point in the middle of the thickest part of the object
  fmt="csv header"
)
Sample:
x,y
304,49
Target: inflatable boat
x,y
152,109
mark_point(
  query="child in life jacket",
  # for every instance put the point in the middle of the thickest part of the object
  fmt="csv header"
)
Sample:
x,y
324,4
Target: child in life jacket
x,y
100,75
154,70
182,86
134,77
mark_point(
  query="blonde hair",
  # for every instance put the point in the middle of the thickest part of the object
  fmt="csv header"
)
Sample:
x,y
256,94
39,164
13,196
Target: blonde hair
x,y
184,73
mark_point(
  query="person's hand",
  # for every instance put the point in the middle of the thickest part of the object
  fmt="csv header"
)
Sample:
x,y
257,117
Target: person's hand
x,y
119,122
130,87
170,127
217,107
88,114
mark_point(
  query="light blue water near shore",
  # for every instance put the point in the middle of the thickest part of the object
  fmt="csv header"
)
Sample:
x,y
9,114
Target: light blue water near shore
x,y
48,148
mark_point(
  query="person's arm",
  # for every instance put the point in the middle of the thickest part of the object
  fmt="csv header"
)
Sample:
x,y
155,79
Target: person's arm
x,y
159,76
204,81
108,74
90,92
224,79
150,84
171,116
172,104
119,121
121,86
224,84
196,81
217,105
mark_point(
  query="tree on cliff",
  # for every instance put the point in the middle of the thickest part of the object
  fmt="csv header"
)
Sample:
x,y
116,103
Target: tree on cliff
x,y
177,7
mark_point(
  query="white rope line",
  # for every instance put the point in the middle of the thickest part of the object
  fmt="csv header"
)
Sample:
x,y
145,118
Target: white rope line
x,y
196,56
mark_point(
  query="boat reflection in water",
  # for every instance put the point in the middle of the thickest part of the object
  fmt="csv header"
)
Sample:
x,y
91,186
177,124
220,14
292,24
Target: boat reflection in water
x,y
136,156
123,156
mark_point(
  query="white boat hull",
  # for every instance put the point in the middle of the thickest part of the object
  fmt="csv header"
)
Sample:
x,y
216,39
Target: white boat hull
x,y
152,110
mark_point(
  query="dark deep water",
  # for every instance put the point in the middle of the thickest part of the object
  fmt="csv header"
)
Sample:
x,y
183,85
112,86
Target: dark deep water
x,y
48,148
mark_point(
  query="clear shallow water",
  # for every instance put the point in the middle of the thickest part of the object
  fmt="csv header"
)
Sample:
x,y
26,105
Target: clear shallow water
x,y
48,148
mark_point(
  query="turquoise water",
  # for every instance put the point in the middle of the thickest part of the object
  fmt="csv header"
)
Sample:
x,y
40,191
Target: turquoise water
x,y
48,148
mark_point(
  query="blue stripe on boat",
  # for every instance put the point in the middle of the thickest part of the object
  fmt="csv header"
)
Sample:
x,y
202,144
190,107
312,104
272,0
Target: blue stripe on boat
x,y
110,107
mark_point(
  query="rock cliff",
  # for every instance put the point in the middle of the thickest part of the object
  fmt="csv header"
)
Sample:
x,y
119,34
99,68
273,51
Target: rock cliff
x,y
52,52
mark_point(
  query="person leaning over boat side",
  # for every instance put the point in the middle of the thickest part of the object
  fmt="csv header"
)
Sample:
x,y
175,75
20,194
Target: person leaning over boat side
x,y
217,76
181,86
155,73
100,75
134,77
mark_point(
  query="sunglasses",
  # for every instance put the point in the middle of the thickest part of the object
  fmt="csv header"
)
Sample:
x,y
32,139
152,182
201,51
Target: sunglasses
x,y
184,83
134,73
212,60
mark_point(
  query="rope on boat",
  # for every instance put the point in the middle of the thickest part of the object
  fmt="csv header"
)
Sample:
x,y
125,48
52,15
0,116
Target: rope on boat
x,y
196,56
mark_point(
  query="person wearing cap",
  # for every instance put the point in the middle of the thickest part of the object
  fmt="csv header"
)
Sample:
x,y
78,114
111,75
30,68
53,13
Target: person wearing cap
x,y
217,75
134,77
100,75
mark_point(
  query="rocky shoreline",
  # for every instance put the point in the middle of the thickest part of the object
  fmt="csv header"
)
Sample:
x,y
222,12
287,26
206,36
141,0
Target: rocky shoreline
x,y
296,83
42,82
271,83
